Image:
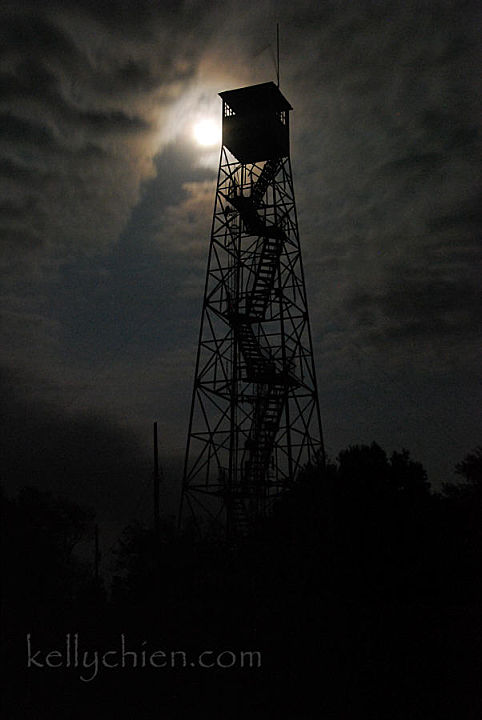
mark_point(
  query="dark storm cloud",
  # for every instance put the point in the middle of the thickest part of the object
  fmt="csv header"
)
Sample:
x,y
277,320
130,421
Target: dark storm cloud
x,y
142,279
466,217
85,456
397,142
19,239
420,162
30,34
177,162
20,172
82,89
418,307
36,83
18,130
13,210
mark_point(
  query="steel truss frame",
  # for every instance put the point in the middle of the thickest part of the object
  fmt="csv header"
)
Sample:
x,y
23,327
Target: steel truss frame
x,y
255,417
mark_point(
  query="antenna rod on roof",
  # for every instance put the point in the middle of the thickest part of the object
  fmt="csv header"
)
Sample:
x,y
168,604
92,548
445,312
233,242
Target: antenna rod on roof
x,y
277,52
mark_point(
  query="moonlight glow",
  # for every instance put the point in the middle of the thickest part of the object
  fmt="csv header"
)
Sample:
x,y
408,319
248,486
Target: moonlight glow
x,y
206,133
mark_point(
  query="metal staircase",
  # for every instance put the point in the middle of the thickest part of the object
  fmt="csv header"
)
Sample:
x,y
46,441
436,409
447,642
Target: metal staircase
x,y
239,517
265,179
259,446
255,420
261,368
264,278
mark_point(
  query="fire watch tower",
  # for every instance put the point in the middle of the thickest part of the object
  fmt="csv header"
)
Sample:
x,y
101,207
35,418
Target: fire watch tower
x,y
255,418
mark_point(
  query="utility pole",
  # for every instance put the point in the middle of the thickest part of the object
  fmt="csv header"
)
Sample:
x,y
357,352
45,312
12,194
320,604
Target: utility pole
x,y
277,52
157,519
96,555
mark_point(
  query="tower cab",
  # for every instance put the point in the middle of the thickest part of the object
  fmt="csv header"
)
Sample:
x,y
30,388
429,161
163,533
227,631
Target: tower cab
x,y
256,123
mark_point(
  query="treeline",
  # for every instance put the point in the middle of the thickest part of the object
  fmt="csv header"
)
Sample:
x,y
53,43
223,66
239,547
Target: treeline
x,y
361,592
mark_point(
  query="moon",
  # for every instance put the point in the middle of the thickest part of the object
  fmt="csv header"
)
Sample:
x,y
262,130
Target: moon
x,y
206,133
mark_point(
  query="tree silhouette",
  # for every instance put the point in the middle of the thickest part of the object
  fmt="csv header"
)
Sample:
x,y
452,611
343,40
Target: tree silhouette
x,y
39,535
470,469
360,590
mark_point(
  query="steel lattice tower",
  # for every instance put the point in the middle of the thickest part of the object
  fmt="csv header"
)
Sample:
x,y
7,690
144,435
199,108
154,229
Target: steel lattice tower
x,y
255,418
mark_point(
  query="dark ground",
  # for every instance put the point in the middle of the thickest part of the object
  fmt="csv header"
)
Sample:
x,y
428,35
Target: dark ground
x,y
362,594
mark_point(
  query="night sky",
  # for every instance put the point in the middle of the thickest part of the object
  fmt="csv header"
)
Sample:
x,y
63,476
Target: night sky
x,y
106,208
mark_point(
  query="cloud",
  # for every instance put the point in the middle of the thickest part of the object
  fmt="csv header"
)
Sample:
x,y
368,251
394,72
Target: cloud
x,y
84,87
106,206
85,456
